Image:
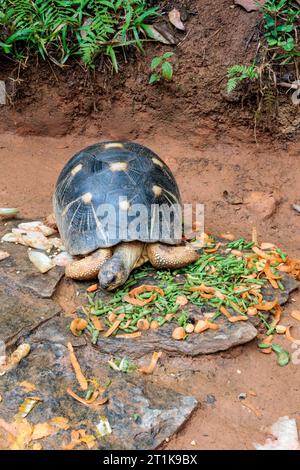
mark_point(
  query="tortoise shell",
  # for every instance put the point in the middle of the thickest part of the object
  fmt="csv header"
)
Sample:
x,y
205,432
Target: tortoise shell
x,y
100,189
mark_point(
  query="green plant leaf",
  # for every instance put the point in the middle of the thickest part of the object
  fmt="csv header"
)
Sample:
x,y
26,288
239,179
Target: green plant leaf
x,y
167,55
156,61
167,71
154,78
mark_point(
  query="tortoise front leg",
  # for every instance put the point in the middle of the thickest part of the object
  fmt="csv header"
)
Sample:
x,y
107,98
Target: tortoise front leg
x,y
168,256
88,268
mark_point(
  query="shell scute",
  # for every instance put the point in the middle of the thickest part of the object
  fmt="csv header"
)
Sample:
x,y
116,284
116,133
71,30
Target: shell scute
x,y
105,174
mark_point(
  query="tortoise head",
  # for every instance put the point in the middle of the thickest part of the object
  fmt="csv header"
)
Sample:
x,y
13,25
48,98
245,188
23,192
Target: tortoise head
x,y
113,273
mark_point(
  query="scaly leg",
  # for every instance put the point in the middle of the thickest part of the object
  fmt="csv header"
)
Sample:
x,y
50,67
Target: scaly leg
x,y
168,256
88,268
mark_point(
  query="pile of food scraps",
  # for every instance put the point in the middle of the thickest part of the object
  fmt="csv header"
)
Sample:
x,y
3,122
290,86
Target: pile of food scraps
x,y
228,277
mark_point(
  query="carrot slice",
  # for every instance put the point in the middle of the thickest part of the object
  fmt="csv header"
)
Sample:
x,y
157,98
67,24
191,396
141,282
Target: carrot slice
x,y
206,296
266,306
260,253
131,297
270,276
97,323
238,318
277,315
212,250
136,334
79,375
201,325
78,325
86,402
257,294
114,326
153,362
267,340
212,326
92,288
203,288
289,336
225,311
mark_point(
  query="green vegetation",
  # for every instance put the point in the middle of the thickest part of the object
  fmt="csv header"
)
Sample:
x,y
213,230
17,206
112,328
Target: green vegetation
x,y
225,273
281,22
60,29
238,73
279,46
161,68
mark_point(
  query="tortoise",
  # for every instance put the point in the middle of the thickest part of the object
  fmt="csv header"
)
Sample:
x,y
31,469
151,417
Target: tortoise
x,y
94,201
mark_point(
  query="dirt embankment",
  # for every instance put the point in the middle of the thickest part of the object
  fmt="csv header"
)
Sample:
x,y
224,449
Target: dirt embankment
x,y
46,100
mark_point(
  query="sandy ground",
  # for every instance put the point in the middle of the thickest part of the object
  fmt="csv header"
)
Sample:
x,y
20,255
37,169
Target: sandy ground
x,y
205,166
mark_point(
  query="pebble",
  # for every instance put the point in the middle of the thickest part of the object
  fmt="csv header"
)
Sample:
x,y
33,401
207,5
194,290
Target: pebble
x,y
242,396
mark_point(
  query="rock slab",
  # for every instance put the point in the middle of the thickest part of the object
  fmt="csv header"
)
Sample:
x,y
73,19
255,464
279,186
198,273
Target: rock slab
x,y
141,415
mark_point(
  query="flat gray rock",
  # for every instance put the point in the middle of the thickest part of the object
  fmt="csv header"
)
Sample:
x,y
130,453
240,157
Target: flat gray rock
x,y
20,274
289,283
227,336
21,313
211,341
141,414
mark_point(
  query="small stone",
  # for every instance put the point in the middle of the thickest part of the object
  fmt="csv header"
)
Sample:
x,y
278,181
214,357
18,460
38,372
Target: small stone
x,y
210,399
242,396
296,207
193,443
238,371
261,205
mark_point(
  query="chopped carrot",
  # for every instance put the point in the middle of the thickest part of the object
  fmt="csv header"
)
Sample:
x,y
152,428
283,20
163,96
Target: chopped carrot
x,y
169,316
212,326
89,402
289,336
153,362
267,340
201,325
277,315
114,326
78,325
257,294
261,253
136,334
212,250
131,297
79,375
127,324
238,318
270,276
203,288
92,288
206,296
267,305
225,311
97,323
